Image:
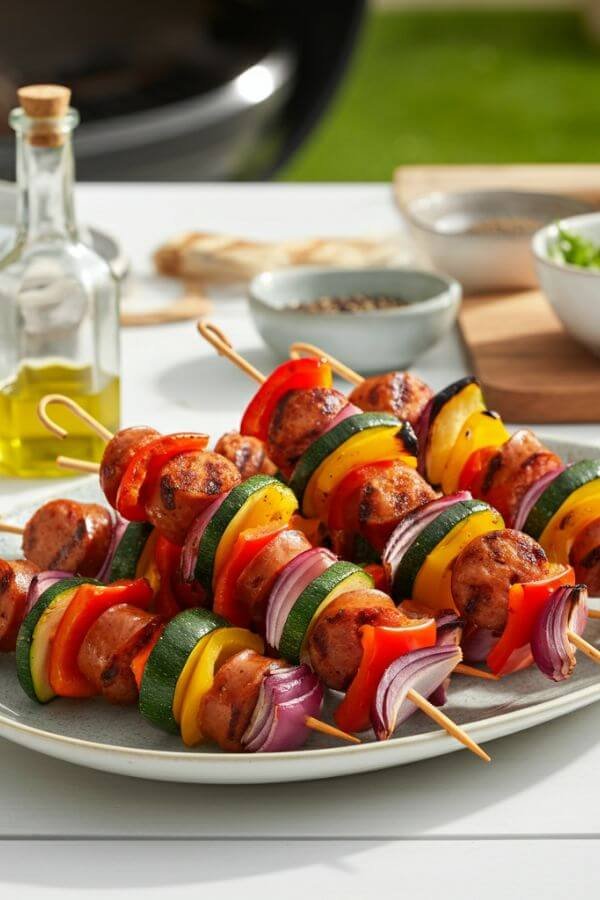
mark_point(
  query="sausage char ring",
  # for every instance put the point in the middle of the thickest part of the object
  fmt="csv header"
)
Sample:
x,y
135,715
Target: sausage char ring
x,y
187,485
70,536
486,568
248,454
109,646
334,643
228,706
299,418
400,393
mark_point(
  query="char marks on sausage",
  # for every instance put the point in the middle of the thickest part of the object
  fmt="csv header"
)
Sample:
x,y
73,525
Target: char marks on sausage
x,y
227,708
300,417
109,646
486,568
70,536
400,393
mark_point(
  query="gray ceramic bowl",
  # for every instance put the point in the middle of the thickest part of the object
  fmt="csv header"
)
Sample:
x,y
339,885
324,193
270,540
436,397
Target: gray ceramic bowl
x,y
489,261
370,341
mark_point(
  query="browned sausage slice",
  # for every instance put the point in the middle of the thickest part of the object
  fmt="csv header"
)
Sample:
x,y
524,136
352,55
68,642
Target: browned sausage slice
x,y
485,569
257,579
299,418
118,453
401,393
15,577
74,537
109,647
520,462
385,495
227,708
248,454
187,485
334,643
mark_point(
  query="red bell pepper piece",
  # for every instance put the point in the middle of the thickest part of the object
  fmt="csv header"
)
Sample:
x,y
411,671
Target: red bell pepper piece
x,y
247,545
144,469
138,663
88,604
167,556
525,603
381,646
473,471
295,374
381,581
344,516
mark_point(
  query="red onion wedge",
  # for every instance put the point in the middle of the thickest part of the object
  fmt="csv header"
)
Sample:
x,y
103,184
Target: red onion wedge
x,y
294,578
422,671
449,629
410,527
477,643
287,697
565,611
118,530
40,583
189,554
531,497
345,413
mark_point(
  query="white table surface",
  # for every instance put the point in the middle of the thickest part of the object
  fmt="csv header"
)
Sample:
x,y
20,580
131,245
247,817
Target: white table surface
x,y
529,819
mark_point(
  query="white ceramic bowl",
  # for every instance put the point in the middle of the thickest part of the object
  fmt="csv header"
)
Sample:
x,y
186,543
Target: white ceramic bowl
x,y
573,292
494,261
370,341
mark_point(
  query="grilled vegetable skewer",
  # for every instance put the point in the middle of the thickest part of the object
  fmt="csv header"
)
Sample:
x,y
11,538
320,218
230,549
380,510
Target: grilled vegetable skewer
x,y
464,445
467,521
81,638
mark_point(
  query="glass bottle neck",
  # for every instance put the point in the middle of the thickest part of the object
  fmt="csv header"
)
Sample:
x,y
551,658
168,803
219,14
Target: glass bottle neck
x,y
45,206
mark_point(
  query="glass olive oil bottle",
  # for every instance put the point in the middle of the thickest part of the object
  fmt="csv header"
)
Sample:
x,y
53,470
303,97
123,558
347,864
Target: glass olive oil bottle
x,y
59,309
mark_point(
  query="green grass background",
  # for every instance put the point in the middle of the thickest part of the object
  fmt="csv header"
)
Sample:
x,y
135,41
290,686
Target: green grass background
x,y
458,87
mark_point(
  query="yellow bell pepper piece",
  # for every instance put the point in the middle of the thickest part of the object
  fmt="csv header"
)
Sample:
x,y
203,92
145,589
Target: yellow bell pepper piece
x,y
146,565
275,504
579,509
446,427
377,444
217,648
432,587
185,676
482,429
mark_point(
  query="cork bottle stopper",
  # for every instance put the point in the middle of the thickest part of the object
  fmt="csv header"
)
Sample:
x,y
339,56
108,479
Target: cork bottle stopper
x,y
45,102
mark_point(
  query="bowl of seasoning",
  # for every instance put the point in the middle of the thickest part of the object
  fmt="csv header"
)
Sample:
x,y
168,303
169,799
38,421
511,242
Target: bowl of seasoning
x,y
483,238
373,319
567,256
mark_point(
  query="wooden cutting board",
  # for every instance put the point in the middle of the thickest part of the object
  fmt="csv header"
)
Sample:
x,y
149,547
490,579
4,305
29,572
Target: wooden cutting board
x,y
579,181
530,369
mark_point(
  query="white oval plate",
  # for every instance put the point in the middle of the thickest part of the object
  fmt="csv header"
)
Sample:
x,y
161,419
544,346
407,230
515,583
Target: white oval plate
x,y
113,739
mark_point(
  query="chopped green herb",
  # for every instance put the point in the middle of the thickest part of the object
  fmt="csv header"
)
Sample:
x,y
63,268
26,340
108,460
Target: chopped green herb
x,y
575,250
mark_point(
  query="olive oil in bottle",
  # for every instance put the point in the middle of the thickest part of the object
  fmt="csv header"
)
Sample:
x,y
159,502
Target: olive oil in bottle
x,y
59,311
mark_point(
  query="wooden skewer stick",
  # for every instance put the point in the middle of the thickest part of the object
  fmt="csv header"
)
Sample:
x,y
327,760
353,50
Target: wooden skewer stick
x,y
76,409
583,645
7,528
447,724
325,728
213,334
594,613
463,669
77,465
299,348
